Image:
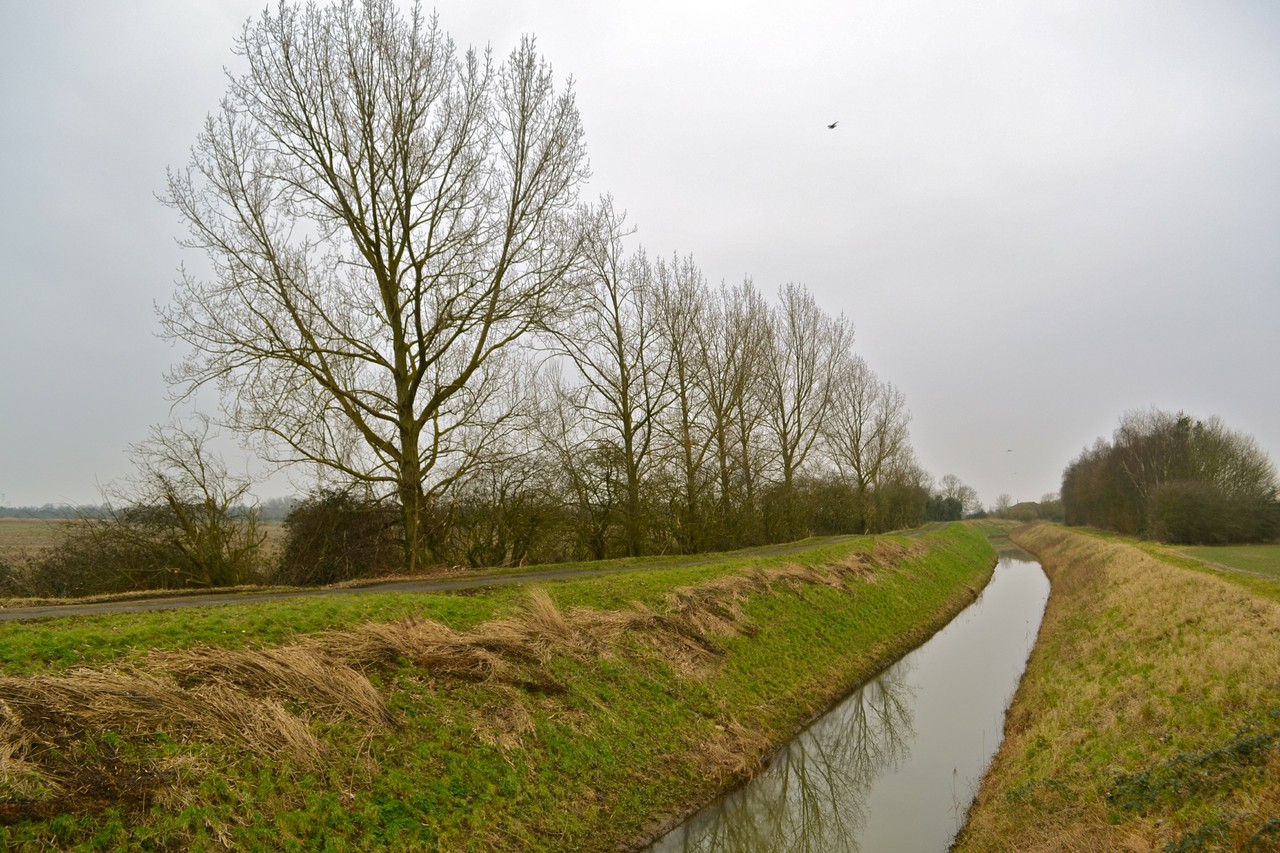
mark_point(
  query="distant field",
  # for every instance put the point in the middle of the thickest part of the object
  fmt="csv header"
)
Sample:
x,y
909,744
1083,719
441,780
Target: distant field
x,y
1263,559
26,536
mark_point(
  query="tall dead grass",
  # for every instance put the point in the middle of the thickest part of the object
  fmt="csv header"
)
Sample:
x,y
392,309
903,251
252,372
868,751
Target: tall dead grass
x,y
1142,668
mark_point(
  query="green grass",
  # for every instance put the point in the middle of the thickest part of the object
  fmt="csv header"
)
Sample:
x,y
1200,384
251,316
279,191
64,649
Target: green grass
x,y
54,645
586,754
62,643
1263,559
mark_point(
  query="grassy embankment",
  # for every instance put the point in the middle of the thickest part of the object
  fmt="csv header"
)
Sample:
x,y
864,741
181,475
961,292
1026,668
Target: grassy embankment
x,y
1149,714
574,716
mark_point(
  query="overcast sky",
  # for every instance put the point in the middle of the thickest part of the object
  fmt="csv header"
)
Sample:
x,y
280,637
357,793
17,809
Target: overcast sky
x,y
1038,215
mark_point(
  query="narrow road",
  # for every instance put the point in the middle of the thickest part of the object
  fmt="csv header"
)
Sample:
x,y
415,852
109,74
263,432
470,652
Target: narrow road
x,y
211,599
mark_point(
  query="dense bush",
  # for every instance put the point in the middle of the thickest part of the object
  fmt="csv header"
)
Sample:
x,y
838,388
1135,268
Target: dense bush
x,y
1195,513
11,580
510,533
1177,479
940,508
168,546
334,536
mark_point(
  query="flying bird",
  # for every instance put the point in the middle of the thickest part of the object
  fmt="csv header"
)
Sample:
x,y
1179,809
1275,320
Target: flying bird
x,y
832,126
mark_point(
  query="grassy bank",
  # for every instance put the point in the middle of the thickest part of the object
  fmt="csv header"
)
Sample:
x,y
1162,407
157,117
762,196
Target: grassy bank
x,y
1149,714
581,715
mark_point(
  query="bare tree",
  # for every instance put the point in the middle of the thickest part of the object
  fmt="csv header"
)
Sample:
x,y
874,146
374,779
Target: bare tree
x,y
732,343
181,520
208,512
383,216
953,487
805,347
682,297
612,342
587,475
866,429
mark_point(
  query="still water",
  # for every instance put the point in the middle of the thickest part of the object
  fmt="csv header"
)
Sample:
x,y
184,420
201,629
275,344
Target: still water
x,y
894,766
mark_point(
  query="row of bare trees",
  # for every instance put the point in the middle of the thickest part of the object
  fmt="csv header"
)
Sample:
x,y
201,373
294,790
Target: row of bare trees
x,y
679,416
406,293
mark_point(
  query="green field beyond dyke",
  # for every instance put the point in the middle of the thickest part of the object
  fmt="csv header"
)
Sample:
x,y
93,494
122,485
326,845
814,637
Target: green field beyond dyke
x,y
1259,559
577,715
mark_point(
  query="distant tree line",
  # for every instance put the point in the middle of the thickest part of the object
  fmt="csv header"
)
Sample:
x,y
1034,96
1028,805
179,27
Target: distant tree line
x,y
1177,479
1048,508
672,417
271,509
54,511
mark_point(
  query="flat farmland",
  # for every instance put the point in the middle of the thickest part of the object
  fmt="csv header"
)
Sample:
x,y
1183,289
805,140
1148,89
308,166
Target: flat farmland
x,y
1258,559
19,536
24,537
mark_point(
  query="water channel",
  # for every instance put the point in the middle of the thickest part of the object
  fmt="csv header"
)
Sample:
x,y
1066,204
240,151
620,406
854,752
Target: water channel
x,y
896,764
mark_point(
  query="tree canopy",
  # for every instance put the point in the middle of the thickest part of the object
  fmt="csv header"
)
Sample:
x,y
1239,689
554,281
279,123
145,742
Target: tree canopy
x,y
1176,478
384,217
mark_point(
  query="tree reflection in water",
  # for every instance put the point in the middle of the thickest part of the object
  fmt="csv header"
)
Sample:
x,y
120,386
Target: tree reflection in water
x,y
811,796
897,747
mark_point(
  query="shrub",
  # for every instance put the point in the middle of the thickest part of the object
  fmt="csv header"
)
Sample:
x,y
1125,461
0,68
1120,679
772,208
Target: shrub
x,y
334,536
173,545
1199,513
12,583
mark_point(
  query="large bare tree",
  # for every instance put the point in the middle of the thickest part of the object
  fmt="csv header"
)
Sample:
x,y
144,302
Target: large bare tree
x,y
683,311
732,344
623,374
805,350
865,429
383,216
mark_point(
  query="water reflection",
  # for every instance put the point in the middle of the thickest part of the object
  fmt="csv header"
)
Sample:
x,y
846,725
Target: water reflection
x,y
811,796
894,766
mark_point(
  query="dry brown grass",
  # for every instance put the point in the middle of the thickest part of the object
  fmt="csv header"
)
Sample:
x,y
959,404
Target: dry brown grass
x,y
65,708
292,673
733,751
505,720
1140,665
55,760
430,646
